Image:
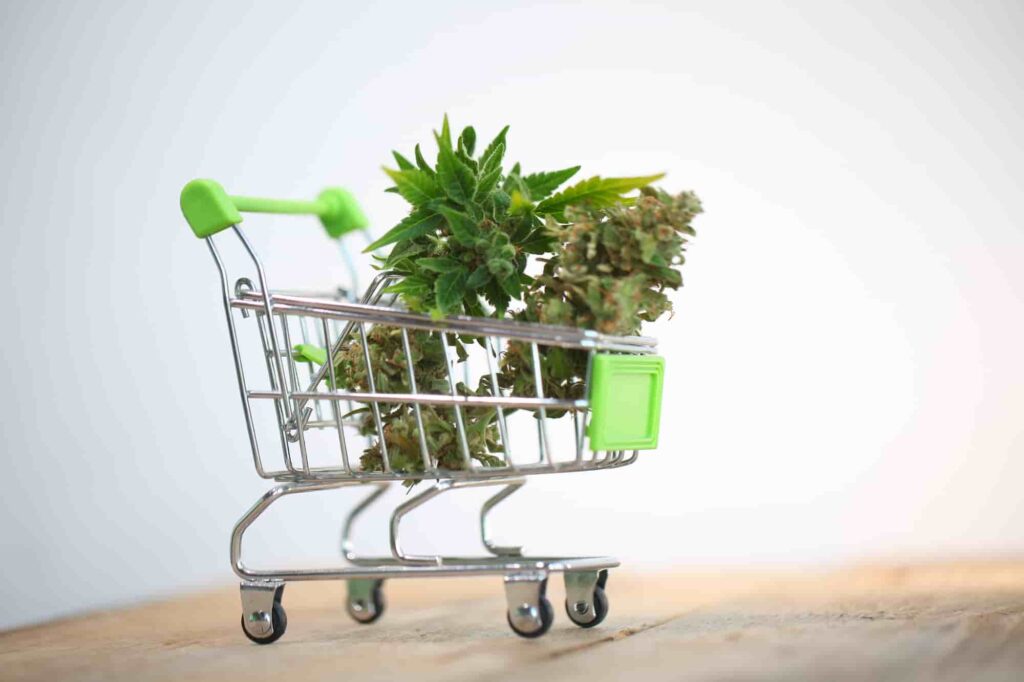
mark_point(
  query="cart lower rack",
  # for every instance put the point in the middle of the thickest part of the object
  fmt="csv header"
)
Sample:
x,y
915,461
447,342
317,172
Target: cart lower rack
x,y
339,377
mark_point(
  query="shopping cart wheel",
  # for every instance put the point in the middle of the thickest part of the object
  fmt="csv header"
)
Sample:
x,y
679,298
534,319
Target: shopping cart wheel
x,y
278,618
529,612
546,616
263,617
586,601
365,600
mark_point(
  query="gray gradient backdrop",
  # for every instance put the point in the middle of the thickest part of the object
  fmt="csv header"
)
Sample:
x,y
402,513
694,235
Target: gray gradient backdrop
x,y
846,373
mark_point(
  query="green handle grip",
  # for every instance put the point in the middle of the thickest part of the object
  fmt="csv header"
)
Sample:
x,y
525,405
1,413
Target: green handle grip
x,y
209,210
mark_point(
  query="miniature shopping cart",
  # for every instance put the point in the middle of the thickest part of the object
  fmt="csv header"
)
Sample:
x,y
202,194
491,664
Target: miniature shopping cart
x,y
316,420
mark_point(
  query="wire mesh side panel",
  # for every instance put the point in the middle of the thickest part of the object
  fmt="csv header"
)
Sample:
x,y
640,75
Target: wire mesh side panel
x,y
392,400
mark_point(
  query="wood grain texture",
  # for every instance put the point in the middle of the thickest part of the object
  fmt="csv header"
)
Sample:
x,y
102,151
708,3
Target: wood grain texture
x,y
934,622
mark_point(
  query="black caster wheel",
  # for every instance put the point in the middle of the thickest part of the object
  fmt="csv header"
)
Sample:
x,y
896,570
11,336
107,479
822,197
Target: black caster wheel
x,y
278,618
365,600
545,615
579,611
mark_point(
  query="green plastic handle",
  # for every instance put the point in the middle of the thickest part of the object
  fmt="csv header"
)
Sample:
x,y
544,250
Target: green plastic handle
x,y
209,210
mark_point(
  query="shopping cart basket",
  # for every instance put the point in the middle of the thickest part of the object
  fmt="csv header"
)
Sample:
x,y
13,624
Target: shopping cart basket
x,y
320,433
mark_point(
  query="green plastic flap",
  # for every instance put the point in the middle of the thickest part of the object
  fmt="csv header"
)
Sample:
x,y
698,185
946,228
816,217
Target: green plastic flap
x,y
625,402
208,209
307,352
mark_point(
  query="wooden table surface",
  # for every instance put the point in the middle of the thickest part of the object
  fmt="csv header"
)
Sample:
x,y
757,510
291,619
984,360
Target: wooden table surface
x,y
940,621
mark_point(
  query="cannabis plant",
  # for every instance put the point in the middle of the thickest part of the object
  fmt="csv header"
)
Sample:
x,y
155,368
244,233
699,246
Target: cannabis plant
x,y
465,248
472,227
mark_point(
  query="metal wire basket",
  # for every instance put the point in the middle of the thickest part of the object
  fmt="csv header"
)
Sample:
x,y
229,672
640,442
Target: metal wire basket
x,y
324,421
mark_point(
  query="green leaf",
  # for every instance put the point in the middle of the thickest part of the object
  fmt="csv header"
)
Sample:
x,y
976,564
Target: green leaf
x,y
510,284
449,289
492,155
527,223
414,185
623,185
513,181
471,302
403,250
479,278
457,179
469,161
497,298
445,138
541,185
597,192
422,163
416,286
467,140
403,163
442,264
488,181
416,224
538,242
493,159
462,227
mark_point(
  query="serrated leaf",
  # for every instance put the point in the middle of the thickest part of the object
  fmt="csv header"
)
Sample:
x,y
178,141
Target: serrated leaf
x,y
541,185
403,163
462,227
441,264
497,298
537,243
414,185
492,158
510,285
456,178
467,140
416,224
479,278
449,289
492,149
471,302
488,181
416,286
597,192
401,251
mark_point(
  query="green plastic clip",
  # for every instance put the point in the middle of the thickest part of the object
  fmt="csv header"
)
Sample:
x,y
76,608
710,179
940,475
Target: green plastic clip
x,y
625,402
307,352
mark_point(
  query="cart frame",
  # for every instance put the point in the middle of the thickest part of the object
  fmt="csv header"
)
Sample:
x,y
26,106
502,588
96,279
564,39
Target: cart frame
x,y
300,392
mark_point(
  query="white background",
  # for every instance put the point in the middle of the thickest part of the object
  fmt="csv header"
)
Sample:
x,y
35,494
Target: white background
x,y
845,366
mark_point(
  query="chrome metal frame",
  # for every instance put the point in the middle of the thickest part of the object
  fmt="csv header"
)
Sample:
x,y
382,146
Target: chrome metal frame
x,y
307,399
